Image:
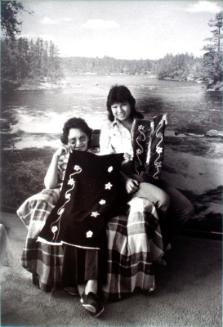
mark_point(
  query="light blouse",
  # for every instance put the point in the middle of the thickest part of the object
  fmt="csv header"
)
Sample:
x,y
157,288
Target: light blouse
x,y
115,138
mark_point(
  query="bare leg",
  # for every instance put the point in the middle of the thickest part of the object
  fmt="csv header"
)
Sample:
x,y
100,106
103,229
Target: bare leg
x,y
91,287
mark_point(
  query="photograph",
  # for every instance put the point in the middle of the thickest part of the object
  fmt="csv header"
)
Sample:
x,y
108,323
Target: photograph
x,y
111,190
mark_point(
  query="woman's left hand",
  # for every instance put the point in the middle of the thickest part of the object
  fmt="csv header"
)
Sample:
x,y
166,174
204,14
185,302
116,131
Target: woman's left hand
x,y
131,185
127,157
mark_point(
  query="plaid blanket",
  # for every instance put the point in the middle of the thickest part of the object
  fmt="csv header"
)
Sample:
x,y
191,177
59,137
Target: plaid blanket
x,y
34,210
131,253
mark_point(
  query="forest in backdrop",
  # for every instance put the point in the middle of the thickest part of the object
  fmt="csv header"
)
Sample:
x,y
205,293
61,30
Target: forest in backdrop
x,y
26,60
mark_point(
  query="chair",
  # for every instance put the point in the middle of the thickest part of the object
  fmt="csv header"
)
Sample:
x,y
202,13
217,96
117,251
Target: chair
x,y
130,258
131,252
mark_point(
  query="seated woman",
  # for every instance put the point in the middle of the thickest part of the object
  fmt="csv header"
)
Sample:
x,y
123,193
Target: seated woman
x,y
128,252
83,260
116,137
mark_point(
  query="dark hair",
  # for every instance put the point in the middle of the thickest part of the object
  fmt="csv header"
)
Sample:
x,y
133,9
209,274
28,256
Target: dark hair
x,y
119,94
75,123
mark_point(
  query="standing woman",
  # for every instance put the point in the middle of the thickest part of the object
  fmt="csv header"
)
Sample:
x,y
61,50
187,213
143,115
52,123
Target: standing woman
x,y
116,138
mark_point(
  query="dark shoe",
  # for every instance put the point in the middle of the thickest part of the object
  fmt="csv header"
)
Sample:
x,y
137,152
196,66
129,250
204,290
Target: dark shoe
x,y
92,303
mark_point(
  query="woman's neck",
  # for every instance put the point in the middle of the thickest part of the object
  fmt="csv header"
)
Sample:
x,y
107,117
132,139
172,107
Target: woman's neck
x,y
127,123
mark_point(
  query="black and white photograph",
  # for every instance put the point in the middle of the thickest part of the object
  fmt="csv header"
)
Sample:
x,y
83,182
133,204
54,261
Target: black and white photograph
x,y
111,163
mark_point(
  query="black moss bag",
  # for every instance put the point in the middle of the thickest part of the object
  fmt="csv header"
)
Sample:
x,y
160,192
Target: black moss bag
x,y
92,193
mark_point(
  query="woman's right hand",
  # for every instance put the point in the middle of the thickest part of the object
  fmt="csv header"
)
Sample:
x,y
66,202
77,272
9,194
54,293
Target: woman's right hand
x,y
51,178
131,185
61,150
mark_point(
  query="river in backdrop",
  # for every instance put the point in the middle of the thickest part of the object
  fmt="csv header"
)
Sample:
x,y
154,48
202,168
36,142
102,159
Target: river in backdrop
x,y
37,116
33,119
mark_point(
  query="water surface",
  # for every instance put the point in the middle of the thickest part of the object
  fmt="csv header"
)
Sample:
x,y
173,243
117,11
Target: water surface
x,y
37,116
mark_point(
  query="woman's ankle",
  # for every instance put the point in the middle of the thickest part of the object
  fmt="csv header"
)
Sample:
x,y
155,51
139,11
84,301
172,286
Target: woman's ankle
x,y
91,287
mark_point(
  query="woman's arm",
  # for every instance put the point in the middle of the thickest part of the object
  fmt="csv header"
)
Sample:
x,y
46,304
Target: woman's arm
x,y
51,178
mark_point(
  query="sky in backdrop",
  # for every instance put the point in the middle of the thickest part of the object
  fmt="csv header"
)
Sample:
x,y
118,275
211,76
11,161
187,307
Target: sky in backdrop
x,y
143,29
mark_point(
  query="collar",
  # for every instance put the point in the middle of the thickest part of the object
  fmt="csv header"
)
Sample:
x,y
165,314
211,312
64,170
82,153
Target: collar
x,y
120,126
117,123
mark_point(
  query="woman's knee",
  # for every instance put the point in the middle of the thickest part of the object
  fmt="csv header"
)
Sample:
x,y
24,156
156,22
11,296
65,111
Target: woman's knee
x,y
181,207
164,201
154,194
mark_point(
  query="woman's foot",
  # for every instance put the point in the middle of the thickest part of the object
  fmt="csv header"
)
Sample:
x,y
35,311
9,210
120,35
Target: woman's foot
x,y
92,304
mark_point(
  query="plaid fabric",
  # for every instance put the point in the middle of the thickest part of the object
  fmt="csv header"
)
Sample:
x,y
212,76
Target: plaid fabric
x,y
34,210
45,262
131,252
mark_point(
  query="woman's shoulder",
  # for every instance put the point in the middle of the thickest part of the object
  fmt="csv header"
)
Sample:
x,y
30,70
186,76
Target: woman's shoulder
x,y
107,126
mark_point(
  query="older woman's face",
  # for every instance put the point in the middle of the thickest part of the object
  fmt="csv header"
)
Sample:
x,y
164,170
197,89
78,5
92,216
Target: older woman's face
x,y
121,110
77,140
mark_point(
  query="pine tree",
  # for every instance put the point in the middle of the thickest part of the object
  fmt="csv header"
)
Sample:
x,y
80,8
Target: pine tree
x,y
212,58
9,18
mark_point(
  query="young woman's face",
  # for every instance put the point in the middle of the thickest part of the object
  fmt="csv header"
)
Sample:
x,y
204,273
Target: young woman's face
x,y
77,140
121,111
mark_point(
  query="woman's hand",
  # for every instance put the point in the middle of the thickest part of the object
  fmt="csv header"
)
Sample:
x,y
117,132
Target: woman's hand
x,y
51,178
127,157
131,185
61,150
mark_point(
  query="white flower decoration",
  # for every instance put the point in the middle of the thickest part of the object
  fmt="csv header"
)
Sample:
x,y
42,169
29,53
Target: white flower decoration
x,y
110,169
70,182
95,214
54,229
108,186
159,149
138,151
141,128
77,167
102,202
89,234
